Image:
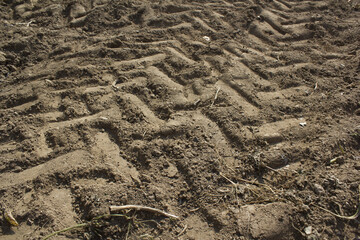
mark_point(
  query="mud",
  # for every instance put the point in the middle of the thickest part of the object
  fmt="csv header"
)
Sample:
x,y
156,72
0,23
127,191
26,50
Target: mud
x,y
240,117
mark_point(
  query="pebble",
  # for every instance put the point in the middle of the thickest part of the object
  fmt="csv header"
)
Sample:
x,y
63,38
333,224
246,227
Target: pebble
x,y
12,68
77,10
302,124
23,9
319,189
206,38
2,58
17,169
78,22
171,171
308,230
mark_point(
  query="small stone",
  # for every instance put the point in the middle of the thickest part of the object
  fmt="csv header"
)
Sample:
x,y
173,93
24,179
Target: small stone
x,y
77,10
206,38
308,230
12,68
29,222
267,221
272,138
171,171
318,189
23,9
78,22
17,169
306,207
2,58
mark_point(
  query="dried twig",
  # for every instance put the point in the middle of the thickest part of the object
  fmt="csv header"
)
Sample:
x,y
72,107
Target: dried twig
x,y
114,84
275,170
194,210
182,231
259,184
28,24
235,186
233,183
128,231
299,231
139,207
352,217
216,96
124,79
250,182
355,216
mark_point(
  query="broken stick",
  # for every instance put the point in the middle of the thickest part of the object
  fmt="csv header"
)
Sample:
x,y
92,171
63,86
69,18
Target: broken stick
x,y
216,95
139,207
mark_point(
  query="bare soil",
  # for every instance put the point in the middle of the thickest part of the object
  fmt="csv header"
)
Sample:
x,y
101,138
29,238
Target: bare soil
x,y
240,117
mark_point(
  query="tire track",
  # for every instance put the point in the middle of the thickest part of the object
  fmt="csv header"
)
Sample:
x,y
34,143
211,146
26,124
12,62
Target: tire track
x,y
141,95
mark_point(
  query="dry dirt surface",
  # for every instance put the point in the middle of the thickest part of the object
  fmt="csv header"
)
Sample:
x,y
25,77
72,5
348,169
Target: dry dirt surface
x,y
240,117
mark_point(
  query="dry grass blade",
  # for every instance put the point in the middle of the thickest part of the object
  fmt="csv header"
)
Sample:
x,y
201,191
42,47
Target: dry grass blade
x,y
83,224
139,207
65,230
250,182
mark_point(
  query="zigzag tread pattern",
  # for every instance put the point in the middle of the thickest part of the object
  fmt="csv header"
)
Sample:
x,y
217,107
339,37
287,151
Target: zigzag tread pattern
x,y
172,105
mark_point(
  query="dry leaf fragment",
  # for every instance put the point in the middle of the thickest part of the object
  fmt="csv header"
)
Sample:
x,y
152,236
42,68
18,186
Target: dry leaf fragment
x,y
9,217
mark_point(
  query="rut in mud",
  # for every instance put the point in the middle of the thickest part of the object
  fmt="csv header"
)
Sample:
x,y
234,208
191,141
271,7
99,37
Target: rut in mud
x,y
241,117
